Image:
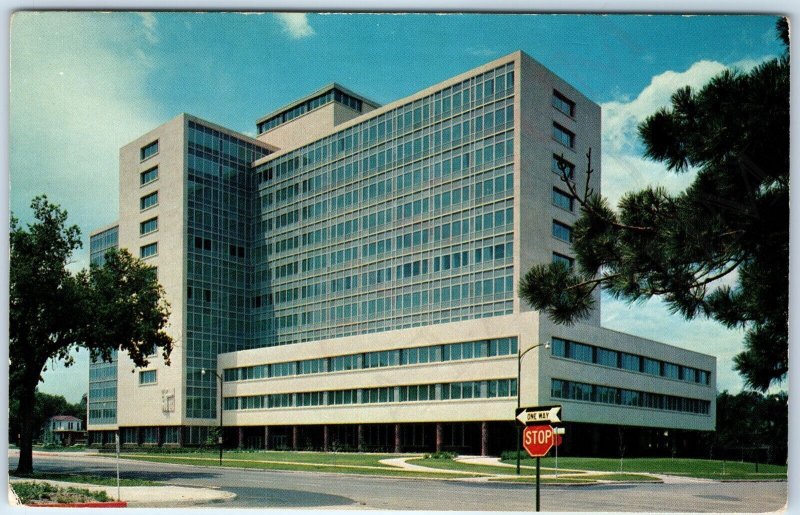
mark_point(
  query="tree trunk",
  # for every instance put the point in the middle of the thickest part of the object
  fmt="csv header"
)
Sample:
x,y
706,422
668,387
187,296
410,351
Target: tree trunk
x,y
27,401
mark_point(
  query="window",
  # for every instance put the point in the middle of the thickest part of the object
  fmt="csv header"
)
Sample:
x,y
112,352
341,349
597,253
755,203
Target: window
x,y
563,104
562,232
148,176
631,362
148,201
564,260
148,250
563,200
652,367
671,371
559,347
558,162
147,377
149,151
148,226
580,351
607,357
563,136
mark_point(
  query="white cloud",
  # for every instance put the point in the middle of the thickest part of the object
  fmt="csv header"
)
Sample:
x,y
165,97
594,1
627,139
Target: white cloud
x,y
624,168
482,51
620,119
295,24
628,172
149,23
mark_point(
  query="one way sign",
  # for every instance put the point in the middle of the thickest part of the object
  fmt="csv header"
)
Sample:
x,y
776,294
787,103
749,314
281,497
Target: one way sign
x,y
539,415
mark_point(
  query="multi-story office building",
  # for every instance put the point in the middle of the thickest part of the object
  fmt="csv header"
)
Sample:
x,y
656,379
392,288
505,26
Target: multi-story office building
x,y
350,277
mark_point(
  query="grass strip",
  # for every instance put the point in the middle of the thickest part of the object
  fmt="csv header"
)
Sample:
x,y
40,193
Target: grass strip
x,y
297,466
354,459
585,478
544,481
30,492
85,478
671,466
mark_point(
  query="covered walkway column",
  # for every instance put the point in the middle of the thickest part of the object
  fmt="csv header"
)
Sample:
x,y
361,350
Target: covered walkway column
x,y
266,438
360,437
295,436
325,438
484,438
439,436
240,438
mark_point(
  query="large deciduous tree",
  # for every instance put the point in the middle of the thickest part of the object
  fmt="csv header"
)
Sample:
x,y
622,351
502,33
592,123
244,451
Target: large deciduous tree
x,y
720,248
52,311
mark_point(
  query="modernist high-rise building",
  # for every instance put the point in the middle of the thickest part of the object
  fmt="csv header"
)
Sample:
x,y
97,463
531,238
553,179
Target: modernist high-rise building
x,y
350,275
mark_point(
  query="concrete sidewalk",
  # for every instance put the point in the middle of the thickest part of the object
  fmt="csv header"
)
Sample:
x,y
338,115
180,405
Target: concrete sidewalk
x,y
166,496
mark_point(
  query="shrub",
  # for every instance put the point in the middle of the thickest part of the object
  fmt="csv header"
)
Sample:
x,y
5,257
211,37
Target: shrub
x,y
442,455
46,493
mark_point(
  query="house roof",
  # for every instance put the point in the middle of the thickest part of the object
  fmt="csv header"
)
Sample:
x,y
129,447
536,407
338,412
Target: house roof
x,y
68,418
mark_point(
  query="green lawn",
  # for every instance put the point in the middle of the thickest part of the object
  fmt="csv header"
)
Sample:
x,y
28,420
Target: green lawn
x,y
326,458
56,448
85,478
678,466
364,463
589,479
490,469
319,462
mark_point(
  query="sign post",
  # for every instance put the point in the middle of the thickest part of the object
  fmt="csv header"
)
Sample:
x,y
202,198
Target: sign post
x,y
557,432
116,438
539,436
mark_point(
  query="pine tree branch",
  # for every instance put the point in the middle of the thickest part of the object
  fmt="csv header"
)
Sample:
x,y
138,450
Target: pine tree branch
x,y
588,191
594,282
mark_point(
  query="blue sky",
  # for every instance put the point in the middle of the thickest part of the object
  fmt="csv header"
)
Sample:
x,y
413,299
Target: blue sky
x,y
84,84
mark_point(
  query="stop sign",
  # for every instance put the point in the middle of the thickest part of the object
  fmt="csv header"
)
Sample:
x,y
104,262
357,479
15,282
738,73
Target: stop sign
x,y
538,440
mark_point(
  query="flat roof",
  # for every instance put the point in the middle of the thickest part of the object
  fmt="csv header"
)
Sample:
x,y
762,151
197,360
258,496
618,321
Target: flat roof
x,y
506,59
321,91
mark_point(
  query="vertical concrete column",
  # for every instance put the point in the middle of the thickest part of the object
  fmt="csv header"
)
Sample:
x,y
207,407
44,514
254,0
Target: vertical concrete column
x,y
325,438
439,436
360,437
295,437
240,438
138,436
158,436
180,436
484,438
397,446
266,438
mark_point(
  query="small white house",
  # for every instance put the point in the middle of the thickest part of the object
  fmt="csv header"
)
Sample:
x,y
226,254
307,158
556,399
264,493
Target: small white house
x,y
62,430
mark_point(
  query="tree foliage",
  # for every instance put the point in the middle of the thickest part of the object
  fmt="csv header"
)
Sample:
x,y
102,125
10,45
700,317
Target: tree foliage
x,y
751,420
731,223
52,311
46,406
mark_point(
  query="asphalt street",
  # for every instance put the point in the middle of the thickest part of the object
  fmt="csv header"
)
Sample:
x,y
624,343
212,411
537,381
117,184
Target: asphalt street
x,y
282,489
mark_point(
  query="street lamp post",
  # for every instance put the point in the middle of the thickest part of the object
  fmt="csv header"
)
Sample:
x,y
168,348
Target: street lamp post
x,y
219,436
519,374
